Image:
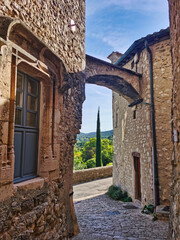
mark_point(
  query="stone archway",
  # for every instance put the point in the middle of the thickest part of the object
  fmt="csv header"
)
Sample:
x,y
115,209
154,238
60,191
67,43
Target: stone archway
x,y
116,84
62,97
122,81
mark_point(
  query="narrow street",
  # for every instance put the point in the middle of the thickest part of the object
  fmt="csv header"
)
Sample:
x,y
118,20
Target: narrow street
x,y
101,218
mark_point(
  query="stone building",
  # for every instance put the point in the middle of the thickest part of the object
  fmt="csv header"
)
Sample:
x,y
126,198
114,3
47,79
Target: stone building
x,y
42,77
174,6
145,177
42,56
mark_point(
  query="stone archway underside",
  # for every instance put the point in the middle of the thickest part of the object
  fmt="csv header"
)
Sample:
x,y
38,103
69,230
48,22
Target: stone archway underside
x,y
119,80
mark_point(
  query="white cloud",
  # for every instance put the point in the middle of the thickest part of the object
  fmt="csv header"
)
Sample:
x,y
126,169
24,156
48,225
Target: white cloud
x,y
101,93
93,6
142,5
98,90
118,40
135,5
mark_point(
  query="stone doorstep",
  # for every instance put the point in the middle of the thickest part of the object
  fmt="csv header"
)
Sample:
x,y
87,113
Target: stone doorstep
x,y
162,212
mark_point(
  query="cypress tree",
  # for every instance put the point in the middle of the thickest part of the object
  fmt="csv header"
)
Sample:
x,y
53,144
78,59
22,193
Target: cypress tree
x,y
98,142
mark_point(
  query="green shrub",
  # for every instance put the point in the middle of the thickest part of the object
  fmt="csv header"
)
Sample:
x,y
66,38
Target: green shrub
x,y
78,164
109,164
148,209
125,194
116,193
91,163
127,199
111,190
155,218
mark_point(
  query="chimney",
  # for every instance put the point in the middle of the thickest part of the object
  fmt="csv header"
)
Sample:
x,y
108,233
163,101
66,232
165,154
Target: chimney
x,y
114,56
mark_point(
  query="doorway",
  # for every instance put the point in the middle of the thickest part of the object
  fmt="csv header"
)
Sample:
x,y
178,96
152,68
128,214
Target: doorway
x,y
137,176
26,128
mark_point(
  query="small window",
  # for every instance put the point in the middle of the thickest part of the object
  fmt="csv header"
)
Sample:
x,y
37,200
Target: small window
x,y
132,64
134,114
117,115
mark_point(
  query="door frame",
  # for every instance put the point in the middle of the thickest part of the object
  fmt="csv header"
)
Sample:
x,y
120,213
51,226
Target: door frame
x,y
137,176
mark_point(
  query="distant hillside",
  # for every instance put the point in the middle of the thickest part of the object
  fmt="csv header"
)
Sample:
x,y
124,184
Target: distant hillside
x,y
87,136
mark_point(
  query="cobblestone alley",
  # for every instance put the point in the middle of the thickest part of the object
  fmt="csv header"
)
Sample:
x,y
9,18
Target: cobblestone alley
x,y
101,218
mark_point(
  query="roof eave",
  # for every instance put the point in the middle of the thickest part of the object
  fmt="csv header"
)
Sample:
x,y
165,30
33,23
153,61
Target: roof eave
x,y
138,45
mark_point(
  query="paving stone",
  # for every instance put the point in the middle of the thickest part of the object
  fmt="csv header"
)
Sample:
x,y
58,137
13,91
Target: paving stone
x,y
125,223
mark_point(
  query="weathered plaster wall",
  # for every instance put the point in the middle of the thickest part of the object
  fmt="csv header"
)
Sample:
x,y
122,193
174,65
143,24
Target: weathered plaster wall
x,y
42,208
134,135
174,6
50,21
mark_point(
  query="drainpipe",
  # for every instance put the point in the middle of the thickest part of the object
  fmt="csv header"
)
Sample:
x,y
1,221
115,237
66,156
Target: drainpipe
x,y
154,149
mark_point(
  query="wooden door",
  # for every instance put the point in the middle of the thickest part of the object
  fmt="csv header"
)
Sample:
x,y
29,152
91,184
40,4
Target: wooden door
x,y
137,169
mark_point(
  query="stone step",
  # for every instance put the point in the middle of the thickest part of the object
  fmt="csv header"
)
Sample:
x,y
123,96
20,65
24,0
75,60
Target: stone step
x,y
162,212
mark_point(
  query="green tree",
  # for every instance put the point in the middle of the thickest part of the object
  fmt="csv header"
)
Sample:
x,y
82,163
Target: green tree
x,y
78,164
89,149
98,142
107,151
91,163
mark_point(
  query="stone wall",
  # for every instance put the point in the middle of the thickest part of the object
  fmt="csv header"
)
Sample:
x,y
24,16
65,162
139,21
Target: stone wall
x,y
50,20
86,175
33,212
162,69
43,46
174,6
45,211
132,128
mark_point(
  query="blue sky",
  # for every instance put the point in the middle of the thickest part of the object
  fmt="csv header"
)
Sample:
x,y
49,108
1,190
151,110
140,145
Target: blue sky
x,y
113,25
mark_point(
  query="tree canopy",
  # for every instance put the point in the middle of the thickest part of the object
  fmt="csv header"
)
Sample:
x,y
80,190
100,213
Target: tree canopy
x,y
85,153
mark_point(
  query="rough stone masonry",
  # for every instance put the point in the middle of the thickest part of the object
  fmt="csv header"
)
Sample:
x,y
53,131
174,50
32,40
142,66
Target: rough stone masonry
x,y
38,47
132,126
36,39
174,6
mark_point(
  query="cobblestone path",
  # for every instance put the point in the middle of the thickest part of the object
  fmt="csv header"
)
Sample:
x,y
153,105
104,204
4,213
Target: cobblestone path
x,y
101,218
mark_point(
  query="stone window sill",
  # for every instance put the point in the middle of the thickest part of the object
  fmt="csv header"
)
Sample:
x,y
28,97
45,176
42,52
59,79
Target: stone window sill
x,y
31,184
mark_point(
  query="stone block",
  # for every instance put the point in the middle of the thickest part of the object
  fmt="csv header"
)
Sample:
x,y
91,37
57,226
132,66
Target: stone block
x,y
32,184
4,109
3,155
6,175
4,132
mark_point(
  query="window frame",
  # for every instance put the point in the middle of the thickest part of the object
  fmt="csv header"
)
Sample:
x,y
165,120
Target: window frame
x,y
24,128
